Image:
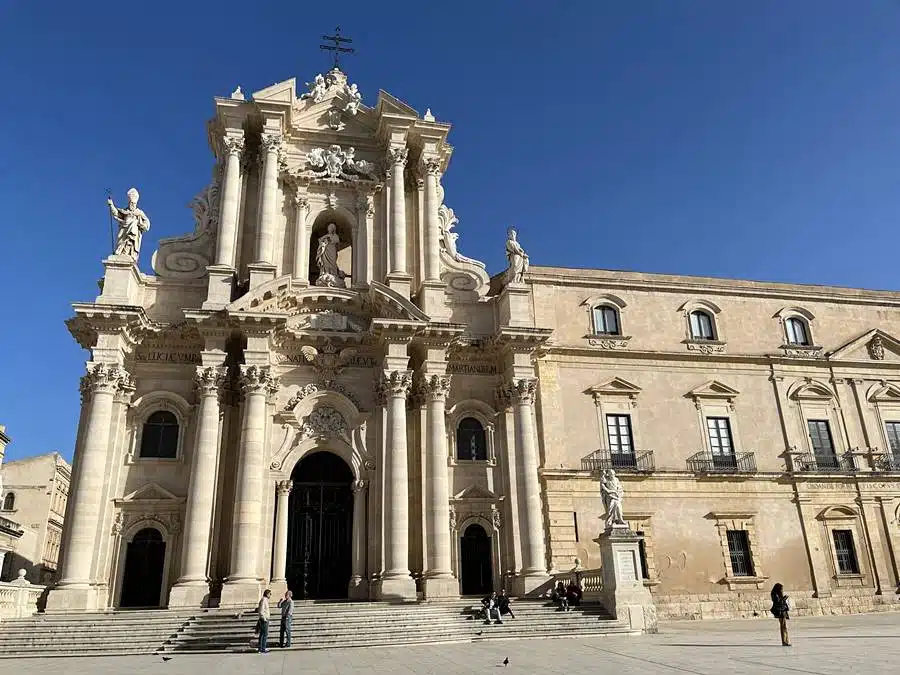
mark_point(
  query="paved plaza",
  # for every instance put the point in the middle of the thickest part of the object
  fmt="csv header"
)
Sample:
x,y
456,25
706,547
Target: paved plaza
x,y
824,645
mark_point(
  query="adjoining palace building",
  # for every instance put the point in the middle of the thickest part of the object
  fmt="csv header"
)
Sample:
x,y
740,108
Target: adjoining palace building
x,y
317,390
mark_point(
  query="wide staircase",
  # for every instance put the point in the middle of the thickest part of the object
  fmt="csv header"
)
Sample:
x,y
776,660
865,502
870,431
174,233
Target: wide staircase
x,y
368,624
317,625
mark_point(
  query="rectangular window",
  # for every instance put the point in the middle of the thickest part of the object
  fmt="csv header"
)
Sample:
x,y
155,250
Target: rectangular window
x,y
845,552
739,548
642,551
822,443
893,436
720,442
621,447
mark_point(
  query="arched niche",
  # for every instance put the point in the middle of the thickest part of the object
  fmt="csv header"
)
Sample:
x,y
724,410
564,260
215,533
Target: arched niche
x,y
345,226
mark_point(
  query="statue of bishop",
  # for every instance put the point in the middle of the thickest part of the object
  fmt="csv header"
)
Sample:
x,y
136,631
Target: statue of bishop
x,y
133,223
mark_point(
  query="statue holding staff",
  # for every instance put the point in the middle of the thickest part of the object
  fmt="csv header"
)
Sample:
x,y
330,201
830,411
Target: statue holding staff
x,y
133,223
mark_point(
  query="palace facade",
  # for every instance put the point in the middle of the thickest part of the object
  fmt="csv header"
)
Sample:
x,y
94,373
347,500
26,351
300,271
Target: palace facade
x,y
317,390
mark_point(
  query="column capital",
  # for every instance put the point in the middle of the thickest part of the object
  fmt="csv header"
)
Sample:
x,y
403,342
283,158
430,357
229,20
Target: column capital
x,y
301,201
233,145
522,391
359,486
397,383
126,388
397,156
105,378
432,166
284,487
258,379
434,387
208,380
271,142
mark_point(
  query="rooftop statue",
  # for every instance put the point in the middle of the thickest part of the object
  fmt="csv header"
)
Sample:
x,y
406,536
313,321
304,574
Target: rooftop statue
x,y
133,223
518,259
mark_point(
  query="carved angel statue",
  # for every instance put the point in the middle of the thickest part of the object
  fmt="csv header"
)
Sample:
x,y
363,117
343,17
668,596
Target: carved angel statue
x,y
612,491
359,166
326,259
317,89
354,98
132,224
329,361
334,161
518,259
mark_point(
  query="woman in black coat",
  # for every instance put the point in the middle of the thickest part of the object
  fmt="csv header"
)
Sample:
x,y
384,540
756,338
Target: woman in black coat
x,y
781,607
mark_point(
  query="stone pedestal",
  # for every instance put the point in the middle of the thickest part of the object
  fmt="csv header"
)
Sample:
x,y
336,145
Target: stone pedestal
x,y
530,585
189,594
121,281
432,297
241,594
260,273
395,589
624,594
221,285
400,283
515,307
437,587
63,599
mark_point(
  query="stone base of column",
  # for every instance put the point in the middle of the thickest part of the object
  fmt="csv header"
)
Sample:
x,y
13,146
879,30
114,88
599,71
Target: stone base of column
x,y
531,584
220,286
189,595
395,588
432,297
443,586
73,599
624,595
260,273
399,282
243,593
358,588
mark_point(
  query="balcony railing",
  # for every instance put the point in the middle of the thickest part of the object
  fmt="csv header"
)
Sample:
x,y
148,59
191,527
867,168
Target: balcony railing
x,y
707,462
810,462
884,461
627,462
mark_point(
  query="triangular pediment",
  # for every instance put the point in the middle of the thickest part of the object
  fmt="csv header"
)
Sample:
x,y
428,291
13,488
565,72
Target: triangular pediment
x,y
873,345
475,492
389,104
150,492
713,389
615,386
356,129
280,92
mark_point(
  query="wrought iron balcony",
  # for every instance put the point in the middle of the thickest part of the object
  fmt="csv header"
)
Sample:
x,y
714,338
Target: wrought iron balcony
x,y
886,462
707,462
627,462
810,462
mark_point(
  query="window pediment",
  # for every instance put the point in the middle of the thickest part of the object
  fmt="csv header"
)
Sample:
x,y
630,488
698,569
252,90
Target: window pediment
x,y
151,492
476,492
614,387
810,390
714,390
884,392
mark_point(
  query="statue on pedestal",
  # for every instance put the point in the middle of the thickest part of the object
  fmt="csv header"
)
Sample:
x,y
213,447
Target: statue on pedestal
x,y
612,491
326,259
132,224
518,259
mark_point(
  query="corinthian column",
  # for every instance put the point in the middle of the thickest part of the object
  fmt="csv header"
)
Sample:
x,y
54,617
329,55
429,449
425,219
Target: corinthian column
x,y
301,238
534,562
439,580
98,388
396,581
191,587
265,237
257,384
358,570
397,159
432,226
231,192
282,500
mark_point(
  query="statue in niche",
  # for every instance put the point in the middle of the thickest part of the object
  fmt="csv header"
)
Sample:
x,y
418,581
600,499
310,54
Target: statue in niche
x,y
326,259
612,491
518,259
132,224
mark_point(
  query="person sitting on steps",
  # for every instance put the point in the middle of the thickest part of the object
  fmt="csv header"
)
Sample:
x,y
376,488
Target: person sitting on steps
x,y
503,604
491,609
559,597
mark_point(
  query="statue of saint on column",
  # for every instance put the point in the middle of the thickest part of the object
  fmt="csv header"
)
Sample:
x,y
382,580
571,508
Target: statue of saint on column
x,y
133,223
326,259
518,259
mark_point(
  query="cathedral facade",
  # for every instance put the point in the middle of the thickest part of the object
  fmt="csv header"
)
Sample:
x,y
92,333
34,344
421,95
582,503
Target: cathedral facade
x,y
317,390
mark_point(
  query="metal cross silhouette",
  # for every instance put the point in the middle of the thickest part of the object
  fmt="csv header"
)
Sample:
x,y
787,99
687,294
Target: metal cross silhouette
x,y
336,47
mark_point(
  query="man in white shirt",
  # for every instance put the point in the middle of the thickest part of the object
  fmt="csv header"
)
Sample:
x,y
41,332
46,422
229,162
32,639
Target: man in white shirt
x,y
263,622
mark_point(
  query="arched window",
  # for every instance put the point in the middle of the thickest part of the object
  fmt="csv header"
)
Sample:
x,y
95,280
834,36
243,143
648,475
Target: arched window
x,y
797,333
159,438
606,320
9,502
702,325
471,441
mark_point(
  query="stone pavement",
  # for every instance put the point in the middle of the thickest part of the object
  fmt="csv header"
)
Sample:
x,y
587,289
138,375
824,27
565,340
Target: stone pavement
x,y
824,645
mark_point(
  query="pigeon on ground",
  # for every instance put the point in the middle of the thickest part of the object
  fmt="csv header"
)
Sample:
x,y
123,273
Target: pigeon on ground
x,y
506,661
167,658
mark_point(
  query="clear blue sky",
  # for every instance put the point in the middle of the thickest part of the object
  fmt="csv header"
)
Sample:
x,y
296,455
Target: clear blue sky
x,y
756,140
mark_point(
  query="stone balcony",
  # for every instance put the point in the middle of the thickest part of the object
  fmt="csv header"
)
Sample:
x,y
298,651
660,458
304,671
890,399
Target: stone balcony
x,y
705,462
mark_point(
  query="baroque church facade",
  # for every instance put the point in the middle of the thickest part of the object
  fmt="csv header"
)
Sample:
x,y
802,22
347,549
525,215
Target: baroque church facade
x,y
317,390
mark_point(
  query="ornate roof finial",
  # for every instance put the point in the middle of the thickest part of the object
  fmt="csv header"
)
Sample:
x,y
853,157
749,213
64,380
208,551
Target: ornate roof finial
x,y
336,47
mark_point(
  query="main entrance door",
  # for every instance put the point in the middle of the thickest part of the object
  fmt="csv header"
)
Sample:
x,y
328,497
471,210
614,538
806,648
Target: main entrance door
x,y
475,561
143,577
320,526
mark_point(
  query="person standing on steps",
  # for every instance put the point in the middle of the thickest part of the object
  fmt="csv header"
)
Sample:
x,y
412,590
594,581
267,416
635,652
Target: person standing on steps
x,y
781,607
262,623
286,604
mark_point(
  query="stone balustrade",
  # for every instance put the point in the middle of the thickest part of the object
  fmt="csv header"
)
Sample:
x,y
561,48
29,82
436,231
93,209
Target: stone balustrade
x,y
19,598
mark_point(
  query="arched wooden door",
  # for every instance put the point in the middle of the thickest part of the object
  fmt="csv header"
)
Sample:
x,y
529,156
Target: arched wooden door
x,y
145,558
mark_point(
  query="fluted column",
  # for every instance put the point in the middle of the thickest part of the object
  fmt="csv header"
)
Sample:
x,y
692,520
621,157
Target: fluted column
x,y
301,238
98,387
358,569
257,384
534,559
432,226
226,241
282,497
265,236
202,483
397,159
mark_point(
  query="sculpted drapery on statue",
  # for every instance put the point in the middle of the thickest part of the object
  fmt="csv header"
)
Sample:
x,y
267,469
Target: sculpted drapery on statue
x,y
132,224
326,259
612,491
518,259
